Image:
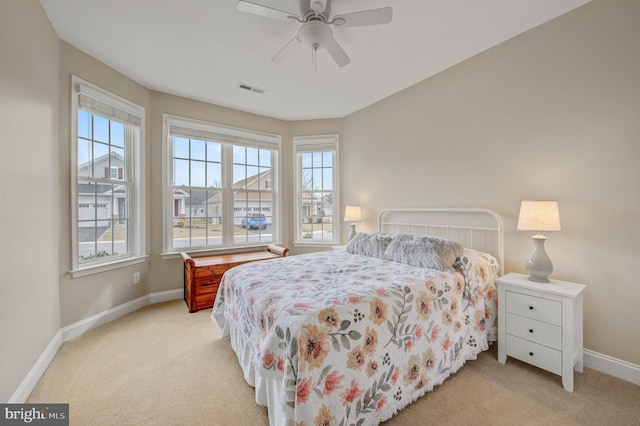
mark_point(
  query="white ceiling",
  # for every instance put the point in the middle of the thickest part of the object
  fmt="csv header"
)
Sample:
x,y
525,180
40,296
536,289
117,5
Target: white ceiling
x,y
202,49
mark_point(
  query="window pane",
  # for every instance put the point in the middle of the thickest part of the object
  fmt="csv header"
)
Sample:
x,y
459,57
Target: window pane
x,y
214,152
307,179
85,154
101,159
317,179
117,163
317,159
100,129
117,134
239,173
198,150
180,147
198,174
265,158
252,217
239,155
214,218
327,179
214,175
252,156
306,159
84,124
180,172
327,159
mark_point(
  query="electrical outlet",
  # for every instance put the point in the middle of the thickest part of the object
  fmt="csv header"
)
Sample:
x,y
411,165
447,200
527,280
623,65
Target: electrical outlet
x,y
136,277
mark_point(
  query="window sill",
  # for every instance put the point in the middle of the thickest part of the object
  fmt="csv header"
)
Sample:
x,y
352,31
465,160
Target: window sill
x,y
103,267
325,244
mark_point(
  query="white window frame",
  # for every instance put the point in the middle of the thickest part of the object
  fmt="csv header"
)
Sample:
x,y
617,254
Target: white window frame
x,y
324,143
136,248
226,135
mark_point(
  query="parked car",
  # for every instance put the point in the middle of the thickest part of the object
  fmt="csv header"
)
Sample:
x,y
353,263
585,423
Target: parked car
x,y
254,221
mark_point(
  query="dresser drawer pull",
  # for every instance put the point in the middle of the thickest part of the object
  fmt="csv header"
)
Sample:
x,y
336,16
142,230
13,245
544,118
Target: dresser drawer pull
x,y
530,353
531,330
531,308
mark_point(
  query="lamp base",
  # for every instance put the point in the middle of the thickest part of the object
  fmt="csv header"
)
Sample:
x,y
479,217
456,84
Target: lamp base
x,y
539,265
353,231
538,279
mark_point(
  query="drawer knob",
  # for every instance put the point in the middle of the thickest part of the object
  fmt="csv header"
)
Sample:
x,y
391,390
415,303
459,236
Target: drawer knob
x,y
531,308
530,353
531,330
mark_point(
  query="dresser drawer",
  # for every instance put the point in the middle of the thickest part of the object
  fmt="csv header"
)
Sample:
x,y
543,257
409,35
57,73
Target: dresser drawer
x,y
534,307
534,354
535,331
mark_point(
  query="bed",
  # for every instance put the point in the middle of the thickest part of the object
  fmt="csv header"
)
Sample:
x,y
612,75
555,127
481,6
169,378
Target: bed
x,y
352,336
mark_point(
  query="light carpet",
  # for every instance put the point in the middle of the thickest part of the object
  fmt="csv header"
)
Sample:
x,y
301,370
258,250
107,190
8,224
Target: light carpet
x,y
161,365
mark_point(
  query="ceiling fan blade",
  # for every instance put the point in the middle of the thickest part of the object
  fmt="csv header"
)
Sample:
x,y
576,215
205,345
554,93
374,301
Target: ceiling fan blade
x,y
278,55
365,17
269,12
337,53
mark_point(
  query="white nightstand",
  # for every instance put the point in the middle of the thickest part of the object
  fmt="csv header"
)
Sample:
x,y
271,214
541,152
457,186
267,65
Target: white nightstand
x,y
541,324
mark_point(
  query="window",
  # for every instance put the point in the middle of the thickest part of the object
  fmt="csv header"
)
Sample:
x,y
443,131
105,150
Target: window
x,y
215,178
316,198
108,180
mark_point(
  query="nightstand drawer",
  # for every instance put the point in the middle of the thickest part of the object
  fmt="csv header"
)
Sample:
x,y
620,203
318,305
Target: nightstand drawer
x,y
535,331
533,307
535,354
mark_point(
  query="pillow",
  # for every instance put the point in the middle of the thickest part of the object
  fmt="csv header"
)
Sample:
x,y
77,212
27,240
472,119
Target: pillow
x,y
425,251
373,245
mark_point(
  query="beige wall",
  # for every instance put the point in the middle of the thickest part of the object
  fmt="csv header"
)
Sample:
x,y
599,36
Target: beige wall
x,y
29,307
551,114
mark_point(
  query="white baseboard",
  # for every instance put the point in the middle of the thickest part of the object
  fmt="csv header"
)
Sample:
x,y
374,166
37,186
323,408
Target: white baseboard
x,y
612,366
38,369
77,329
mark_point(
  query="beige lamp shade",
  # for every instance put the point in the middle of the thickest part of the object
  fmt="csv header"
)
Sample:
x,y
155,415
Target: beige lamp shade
x,y
352,214
539,216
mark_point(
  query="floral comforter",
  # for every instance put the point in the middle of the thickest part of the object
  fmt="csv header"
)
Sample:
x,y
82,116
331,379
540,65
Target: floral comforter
x,y
353,339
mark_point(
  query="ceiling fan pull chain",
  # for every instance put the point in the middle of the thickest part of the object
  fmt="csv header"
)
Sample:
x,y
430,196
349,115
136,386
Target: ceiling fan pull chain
x,y
314,62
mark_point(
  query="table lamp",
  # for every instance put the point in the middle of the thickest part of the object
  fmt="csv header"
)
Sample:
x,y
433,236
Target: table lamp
x,y
352,214
539,216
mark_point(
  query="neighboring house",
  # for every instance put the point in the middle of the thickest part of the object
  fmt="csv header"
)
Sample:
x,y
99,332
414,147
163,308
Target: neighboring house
x,y
250,195
185,205
314,205
106,201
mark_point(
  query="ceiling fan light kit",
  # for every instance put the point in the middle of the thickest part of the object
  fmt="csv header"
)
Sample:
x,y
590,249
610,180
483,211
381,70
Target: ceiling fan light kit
x,y
315,30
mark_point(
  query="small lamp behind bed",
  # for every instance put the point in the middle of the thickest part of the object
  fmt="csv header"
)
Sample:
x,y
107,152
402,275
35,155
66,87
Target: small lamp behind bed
x,y
539,216
352,214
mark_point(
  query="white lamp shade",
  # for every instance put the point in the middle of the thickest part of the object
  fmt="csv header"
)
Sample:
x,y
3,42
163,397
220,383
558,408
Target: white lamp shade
x,y
352,214
539,216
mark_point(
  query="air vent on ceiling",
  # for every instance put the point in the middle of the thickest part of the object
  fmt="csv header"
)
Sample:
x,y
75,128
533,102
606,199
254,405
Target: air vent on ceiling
x,y
250,88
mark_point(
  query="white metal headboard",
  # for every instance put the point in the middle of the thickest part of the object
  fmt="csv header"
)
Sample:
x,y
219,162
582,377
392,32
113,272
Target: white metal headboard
x,y
475,228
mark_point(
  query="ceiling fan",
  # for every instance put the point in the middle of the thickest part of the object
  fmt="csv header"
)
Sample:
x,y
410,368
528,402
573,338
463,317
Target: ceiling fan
x,y
316,20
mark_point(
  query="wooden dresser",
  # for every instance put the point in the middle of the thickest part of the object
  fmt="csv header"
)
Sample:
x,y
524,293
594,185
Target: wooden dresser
x,y
202,275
